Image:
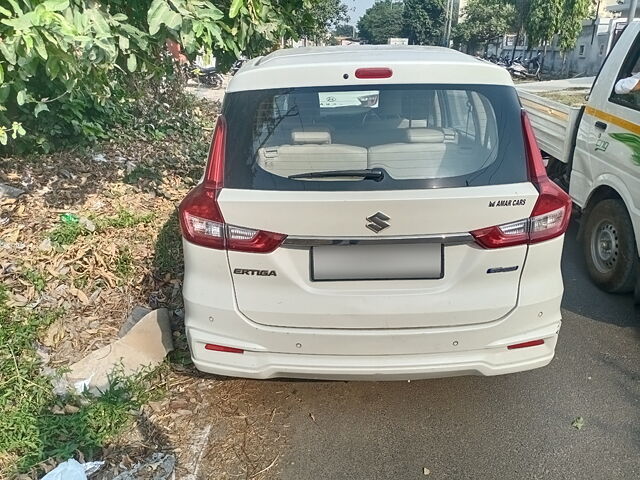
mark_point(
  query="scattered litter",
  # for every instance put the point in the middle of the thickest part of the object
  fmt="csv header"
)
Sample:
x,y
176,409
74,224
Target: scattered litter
x,y
45,245
69,218
158,466
312,418
73,470
87,224
426,471
146,344
137,314
578,423
7,191
99,157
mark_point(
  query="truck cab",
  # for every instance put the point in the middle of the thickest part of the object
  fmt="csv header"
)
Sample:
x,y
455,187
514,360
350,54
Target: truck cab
x,y
605,173
593,151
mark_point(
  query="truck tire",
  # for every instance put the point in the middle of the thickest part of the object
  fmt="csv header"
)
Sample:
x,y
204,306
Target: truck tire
x,y
609,247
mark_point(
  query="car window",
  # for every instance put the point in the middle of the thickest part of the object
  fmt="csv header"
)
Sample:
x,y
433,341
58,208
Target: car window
x,y
419,136
630,66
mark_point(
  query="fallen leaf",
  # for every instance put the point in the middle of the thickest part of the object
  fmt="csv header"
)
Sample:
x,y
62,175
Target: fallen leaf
x,y
578,423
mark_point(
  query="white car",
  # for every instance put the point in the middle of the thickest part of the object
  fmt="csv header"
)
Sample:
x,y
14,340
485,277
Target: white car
x,y
417,238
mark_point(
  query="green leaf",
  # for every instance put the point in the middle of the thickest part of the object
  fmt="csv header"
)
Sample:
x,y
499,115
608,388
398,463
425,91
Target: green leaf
x,y
160,13
21,97
4,93
132,63
8,50
1,74
39,46
235,8
23,22
123,42
578,423
56,5
16,7
3,136
5,12
40,107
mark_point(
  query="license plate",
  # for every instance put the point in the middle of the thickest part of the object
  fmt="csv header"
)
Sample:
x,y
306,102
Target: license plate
x,y
414,261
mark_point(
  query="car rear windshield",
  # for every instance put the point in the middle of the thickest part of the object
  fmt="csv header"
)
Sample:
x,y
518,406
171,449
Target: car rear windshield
x,y
389,137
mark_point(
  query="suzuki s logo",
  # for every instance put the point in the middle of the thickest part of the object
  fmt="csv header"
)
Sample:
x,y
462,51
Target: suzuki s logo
x,y
378,222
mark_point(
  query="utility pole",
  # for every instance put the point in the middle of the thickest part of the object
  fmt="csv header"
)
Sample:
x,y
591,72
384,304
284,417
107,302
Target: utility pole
x,y
632,11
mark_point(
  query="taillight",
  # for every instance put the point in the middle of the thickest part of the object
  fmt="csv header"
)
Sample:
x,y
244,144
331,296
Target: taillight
x,y
201,220
551,213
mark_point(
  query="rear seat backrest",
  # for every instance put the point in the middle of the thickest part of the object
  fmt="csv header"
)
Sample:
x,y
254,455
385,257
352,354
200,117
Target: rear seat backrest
x,y
420,157
312,151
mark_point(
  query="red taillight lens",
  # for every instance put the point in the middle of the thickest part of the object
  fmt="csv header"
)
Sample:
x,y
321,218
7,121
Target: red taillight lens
x,y
532,343
201,220
222,348
551,213
379,72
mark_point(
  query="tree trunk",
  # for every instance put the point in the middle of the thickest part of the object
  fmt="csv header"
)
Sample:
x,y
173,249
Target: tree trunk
x,y
515,46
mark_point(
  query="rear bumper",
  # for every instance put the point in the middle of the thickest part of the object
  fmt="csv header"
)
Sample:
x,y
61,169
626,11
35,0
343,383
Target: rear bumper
x,y
212,317
263,365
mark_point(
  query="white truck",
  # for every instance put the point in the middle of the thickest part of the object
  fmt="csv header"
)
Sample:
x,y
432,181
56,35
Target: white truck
x,y
593,151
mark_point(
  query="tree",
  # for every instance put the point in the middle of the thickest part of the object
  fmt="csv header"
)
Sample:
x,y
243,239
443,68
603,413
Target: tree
x,y
344,30
381,22
319,17
570,25
484,20
66,65
543,21
424,21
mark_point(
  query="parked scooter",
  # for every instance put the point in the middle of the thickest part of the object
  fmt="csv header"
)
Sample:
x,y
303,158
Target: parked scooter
x,y
529,68
208,76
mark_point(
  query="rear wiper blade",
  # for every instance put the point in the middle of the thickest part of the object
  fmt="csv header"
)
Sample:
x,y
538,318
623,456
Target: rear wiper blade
x,y
376,174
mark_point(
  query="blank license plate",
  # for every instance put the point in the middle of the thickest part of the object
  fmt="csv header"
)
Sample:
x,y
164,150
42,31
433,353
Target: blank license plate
x,y
414,261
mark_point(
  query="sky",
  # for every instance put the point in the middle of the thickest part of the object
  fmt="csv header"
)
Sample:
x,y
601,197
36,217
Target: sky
x,y
360,7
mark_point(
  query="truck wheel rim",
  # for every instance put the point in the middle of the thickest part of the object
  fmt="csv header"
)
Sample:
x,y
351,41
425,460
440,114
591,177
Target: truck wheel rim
x,y
604,247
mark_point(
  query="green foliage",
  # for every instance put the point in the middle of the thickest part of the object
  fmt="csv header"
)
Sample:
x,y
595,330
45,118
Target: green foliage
x,y
66,233
36,279
484,20
69,69
35,425
543,21
570,25
380,22
123,263
424,21
124,219
320,17
344,30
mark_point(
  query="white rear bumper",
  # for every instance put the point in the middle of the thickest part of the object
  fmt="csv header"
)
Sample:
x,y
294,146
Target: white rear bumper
x,y
262,365
212,317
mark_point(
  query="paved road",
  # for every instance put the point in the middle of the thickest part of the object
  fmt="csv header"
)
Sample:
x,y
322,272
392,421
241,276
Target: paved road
x,y
510,427
563,84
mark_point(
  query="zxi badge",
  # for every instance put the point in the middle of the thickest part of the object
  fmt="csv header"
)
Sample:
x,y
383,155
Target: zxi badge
x,y
378,222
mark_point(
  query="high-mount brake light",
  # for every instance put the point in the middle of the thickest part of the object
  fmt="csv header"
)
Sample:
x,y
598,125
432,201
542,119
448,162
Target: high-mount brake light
x,y
374,72
201,220
551,213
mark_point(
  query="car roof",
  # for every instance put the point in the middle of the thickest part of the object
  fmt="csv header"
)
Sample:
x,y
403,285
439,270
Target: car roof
x,y
335,66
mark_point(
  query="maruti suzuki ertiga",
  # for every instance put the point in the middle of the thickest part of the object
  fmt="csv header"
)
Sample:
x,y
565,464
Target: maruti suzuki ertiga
x,y
372,213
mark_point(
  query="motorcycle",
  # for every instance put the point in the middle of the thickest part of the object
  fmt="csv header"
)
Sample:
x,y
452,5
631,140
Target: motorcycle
x,y
208,76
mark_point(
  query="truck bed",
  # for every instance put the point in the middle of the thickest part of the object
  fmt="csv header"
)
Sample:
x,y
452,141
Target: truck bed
x,y
554,123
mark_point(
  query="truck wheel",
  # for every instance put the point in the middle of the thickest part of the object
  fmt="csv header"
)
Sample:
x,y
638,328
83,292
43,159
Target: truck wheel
x,y
610,247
